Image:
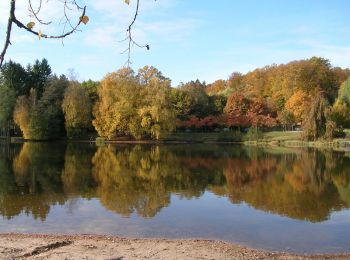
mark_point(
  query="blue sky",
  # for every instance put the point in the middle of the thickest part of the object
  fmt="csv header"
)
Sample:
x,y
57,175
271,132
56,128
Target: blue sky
x,y
191,39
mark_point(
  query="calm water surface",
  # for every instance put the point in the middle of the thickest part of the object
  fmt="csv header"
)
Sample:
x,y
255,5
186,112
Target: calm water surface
x,y
281,199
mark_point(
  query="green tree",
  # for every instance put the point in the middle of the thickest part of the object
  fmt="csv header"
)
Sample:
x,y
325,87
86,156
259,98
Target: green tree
x,y
7,103
340,114
344,92
217,104
14,76
91,87
182,102
38,75
47,119
199,98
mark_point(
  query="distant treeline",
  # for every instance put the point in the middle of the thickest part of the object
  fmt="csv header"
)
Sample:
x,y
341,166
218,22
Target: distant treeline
x,y
310,94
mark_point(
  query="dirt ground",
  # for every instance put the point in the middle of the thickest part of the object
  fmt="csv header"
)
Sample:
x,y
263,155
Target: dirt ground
x,y
20,246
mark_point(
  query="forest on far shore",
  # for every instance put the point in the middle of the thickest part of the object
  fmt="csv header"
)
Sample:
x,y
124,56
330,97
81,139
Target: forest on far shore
x,y
310,94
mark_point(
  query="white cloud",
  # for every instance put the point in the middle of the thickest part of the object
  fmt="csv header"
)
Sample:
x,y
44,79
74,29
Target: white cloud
x,y
176,30
338,55
104,37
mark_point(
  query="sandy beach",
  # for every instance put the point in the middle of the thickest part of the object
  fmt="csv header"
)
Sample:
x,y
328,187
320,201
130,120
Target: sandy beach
x,y
22,246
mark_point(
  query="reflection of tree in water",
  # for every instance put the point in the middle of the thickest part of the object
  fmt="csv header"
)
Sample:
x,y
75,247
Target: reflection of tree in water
x,y
341,176
36,176
298,186
141,179
7,180
301,184
128,180
76,174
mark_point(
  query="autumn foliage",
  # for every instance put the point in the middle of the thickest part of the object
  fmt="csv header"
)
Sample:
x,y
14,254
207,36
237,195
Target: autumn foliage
x,y
308,94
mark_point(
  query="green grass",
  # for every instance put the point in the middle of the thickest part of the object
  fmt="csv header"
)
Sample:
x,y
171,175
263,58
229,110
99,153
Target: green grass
x,y
274,138
282,136
347,133
294,139
205,137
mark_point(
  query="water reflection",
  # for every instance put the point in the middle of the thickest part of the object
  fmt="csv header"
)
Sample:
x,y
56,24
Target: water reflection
x,y
302,184
31,180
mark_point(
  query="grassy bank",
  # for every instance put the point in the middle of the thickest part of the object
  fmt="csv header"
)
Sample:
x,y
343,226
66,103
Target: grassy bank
x,y
294,139
274,138
193,137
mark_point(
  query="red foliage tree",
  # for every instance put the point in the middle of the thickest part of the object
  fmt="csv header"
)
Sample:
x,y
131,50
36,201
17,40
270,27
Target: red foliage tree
x,y
236,110
242,112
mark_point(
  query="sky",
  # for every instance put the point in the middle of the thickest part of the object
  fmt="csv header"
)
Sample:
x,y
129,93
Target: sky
x,y
189,39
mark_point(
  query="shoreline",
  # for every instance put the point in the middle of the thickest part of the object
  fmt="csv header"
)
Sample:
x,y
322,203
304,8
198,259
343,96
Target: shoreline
x,y
49,246
287,139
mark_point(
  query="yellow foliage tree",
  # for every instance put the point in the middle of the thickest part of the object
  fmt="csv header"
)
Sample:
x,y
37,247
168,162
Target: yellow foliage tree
x,y
22,113
132,105
298,104
76,106
114,112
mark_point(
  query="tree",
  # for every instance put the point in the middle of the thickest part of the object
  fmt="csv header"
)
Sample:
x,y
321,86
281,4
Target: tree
x,y
236,109
157,115
116,109
182,102
217,87
23,111
314,126
286,119
340,114
66,21
199,98
137,106
344,92
340,111
298,105
317,75
77,110
38,75
47,119
217,104
148,73
14,76
91,88
259,115
7,103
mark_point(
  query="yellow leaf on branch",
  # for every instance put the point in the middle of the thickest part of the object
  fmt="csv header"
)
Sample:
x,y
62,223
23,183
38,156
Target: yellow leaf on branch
x,y
30,25
84,19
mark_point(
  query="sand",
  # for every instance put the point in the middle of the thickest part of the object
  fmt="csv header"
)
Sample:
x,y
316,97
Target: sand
x,y
21,246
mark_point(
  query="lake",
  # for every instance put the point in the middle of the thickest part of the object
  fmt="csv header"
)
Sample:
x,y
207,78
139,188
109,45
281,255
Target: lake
x,y
290,199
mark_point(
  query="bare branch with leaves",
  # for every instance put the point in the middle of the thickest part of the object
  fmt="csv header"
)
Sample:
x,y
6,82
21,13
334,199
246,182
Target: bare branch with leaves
x,y
69,27
129,37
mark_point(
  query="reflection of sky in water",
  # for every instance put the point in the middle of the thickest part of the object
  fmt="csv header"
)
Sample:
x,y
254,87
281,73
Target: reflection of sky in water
x,y
209,217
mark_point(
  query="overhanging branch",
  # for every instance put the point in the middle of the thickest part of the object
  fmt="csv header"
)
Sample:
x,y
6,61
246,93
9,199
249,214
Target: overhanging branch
x,y
8,32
